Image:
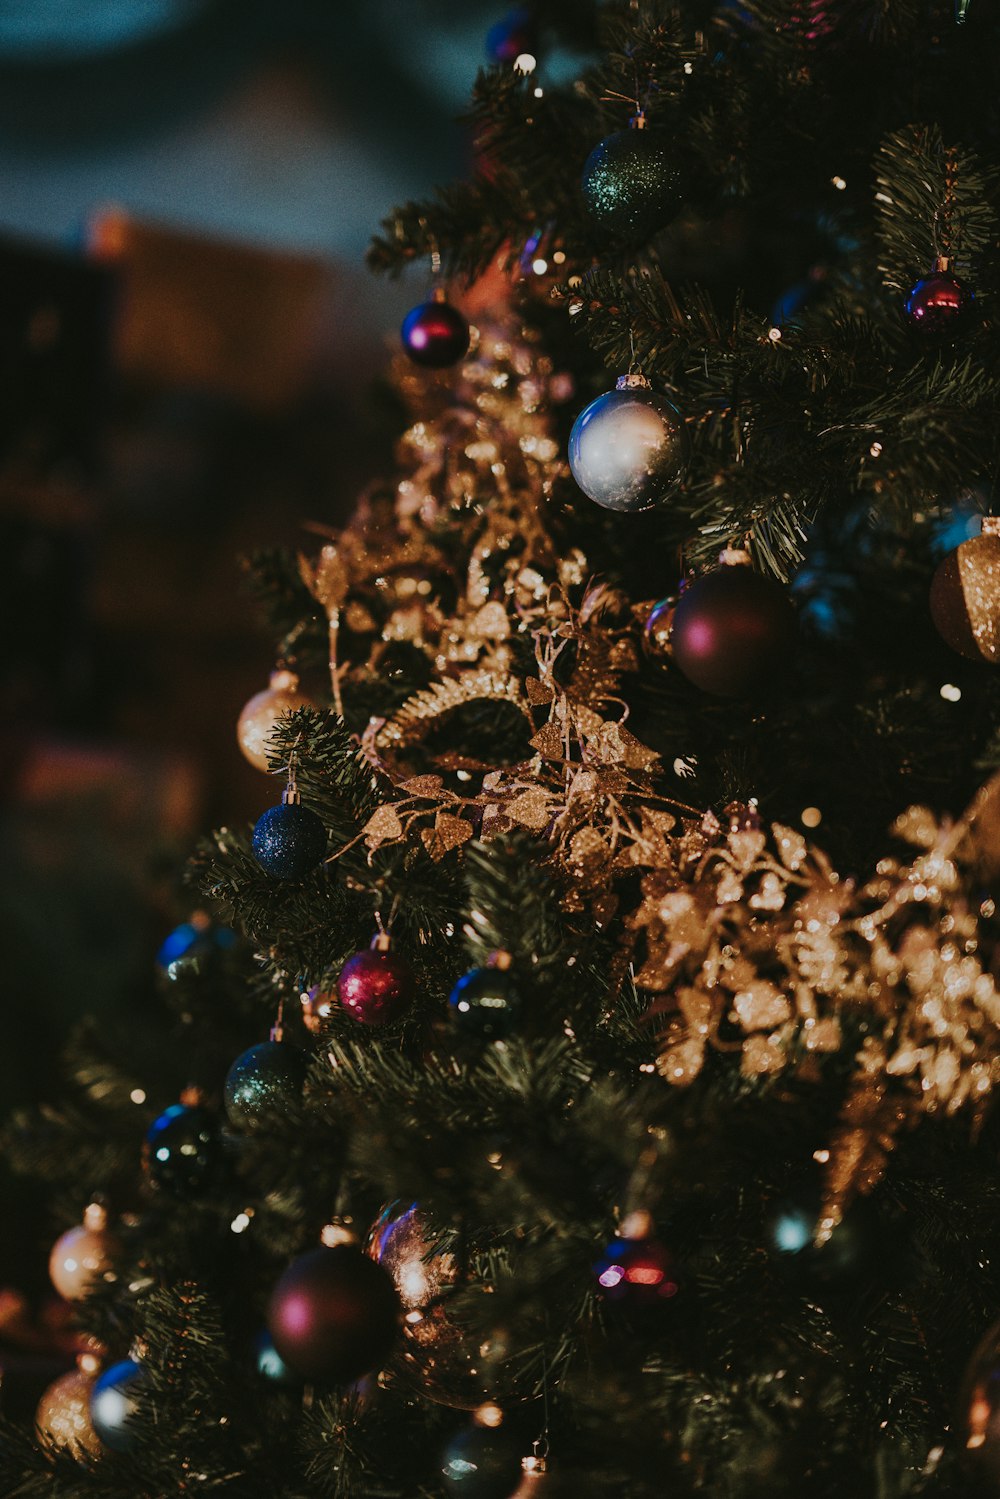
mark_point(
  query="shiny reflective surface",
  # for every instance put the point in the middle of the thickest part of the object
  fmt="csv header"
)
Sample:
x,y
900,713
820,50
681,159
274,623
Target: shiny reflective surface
x,y
376,987
627,450
181,1151
733,631
63,1413
485,1004
939,304
113,1404
79,1259
435,334
657,632
334,1315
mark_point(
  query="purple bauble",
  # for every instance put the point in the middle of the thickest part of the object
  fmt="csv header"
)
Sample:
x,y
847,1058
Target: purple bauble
x,y
638,1274
939,305
376,986
334,1315
733,631
435,334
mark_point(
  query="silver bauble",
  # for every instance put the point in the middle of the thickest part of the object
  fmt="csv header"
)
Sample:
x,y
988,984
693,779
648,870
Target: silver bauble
x,y
628,449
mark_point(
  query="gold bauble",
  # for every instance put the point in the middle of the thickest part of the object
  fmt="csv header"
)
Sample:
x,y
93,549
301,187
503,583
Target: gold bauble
x,y
83,1255
965,596
435,1356
63,1414
262,712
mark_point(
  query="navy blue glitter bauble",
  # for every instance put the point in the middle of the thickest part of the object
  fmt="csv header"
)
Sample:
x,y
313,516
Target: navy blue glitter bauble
x,y
181,1151
288,841
481,1463
485,1004
113,1404
263,1082
632,185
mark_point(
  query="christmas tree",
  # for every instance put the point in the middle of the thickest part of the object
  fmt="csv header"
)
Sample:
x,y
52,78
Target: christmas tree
x,y
612,975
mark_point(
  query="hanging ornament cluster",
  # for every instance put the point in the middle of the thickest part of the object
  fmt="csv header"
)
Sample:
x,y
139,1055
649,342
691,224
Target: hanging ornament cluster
x,y
289,840
262,712
334,1315
485,1004
632,184
264,1082
435,334
84,1256
113,1404
376,986
63,1414
965,595
181,1151
628,448
939,305
733,630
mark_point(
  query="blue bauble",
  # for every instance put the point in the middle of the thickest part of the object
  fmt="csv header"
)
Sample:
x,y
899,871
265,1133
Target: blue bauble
x,y
181,1151
481,1463
194,946
628,449
289,840
485,1005
632,185
262,1082
113,1404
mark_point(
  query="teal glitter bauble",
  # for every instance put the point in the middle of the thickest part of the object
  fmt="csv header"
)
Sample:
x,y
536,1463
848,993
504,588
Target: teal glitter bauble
x,y
632,185
263,1082
288,841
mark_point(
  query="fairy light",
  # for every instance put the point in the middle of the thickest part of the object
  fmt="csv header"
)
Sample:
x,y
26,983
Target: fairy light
x,y
138,1095
950,692
524,62
811,817
838,183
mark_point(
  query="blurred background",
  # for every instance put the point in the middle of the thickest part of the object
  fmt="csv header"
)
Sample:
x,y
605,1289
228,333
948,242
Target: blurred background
x,y
188,344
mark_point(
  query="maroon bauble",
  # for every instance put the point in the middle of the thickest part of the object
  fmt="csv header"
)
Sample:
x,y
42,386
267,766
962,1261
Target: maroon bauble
x,y
939,305
733,631
435,334
638,1275
376,986
334,1315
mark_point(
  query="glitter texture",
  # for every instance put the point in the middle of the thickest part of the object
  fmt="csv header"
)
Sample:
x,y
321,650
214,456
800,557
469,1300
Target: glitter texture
x,y
263,1082
631,184
965,596
288,841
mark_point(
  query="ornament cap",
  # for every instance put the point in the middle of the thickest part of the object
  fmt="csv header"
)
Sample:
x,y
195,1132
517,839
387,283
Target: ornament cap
x,y
381,942
291,796
439,294
632,382
639,121
941,263
283,680
95,1217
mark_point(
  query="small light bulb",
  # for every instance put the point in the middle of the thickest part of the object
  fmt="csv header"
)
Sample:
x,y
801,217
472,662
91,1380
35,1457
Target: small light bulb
x,y
838,183
774,334
138,1095
950,692
539,266
811,817
524,62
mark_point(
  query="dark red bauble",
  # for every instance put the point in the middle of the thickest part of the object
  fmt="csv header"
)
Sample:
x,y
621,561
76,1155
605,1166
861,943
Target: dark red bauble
x,y
376,987
939,305
435,334
334,1315
733,631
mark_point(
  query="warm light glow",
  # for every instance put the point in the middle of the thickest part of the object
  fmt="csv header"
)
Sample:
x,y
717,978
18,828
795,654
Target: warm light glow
x,y
240,1223
539,266
811,817
138,1095
489,1414
951,693
838,183
525,63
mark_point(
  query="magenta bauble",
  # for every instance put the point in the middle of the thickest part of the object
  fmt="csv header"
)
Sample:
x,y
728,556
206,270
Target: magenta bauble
x,y
376,986
733,632
435,334
334,1315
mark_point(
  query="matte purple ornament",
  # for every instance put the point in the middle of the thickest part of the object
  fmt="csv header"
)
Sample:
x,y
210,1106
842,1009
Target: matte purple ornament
x,y
376,986
733,631
334,1315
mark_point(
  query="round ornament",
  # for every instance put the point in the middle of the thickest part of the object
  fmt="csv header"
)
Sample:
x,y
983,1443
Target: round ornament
x,y
638,1275
181,1151
435,334
263,1082
512,37
632,185
376,986
849,1252
657,630
262,712
628,449
435,1356
63,1414
194,946
289,840
334,1315
485,1004
965,595
940,305
113,1404
481,1462
83,1256
733,630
